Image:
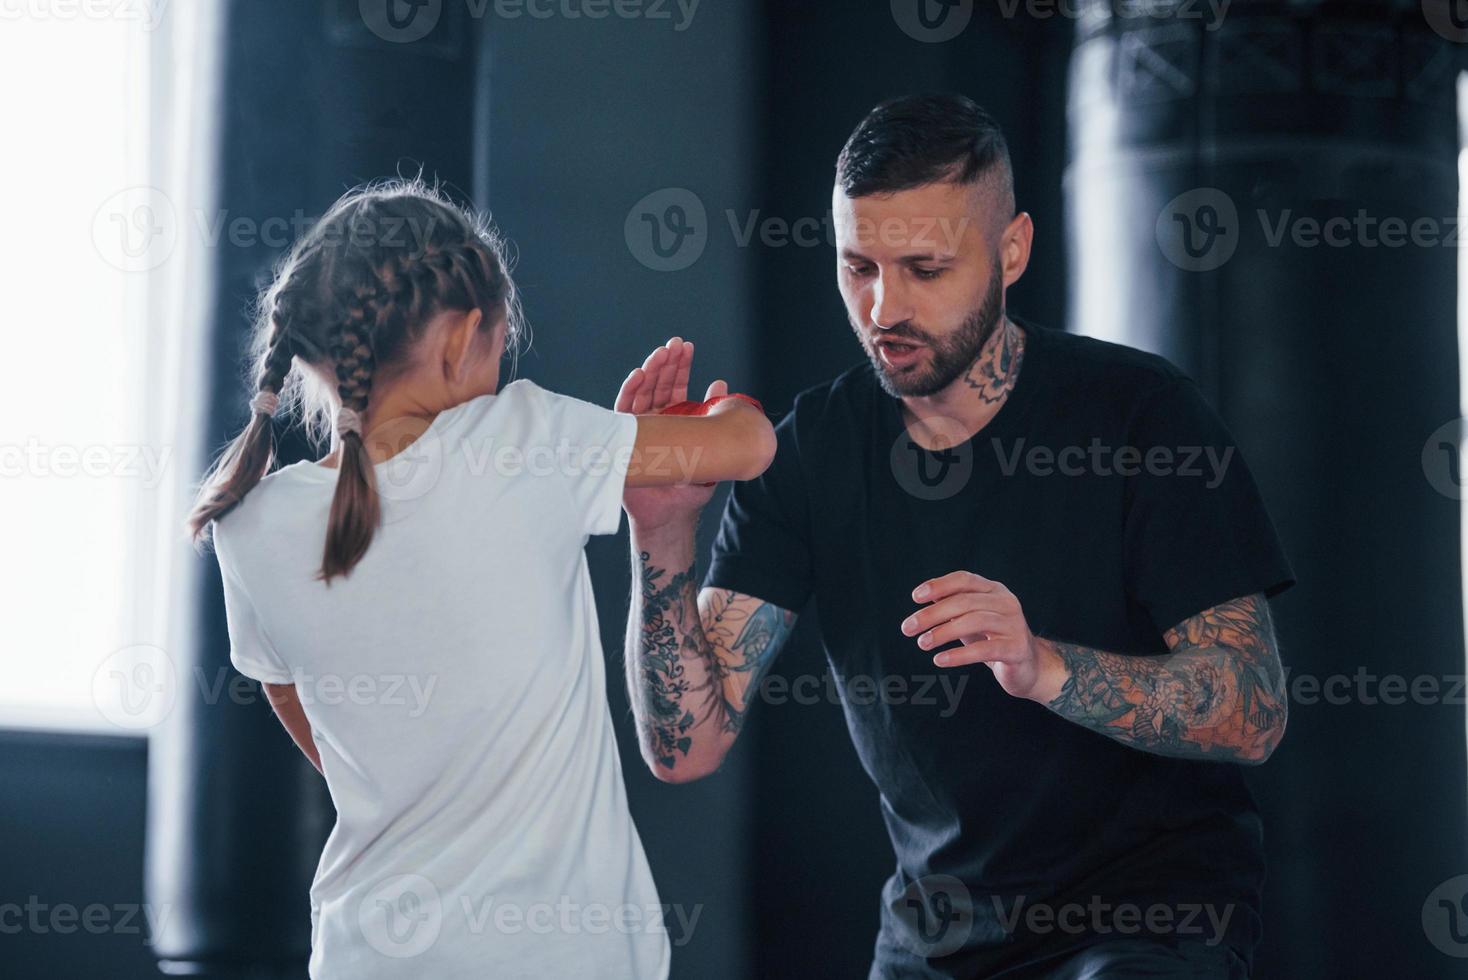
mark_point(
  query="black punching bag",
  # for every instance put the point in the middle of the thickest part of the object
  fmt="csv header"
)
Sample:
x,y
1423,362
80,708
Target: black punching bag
x,y
1269,199
316,97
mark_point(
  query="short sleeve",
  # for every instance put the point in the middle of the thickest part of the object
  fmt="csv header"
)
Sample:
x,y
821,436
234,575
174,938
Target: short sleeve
x,y
598,444
1196,531
763,545
250,651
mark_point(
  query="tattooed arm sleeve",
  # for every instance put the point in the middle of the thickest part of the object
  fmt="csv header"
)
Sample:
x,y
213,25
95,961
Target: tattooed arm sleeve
x,y
1217,695
692,658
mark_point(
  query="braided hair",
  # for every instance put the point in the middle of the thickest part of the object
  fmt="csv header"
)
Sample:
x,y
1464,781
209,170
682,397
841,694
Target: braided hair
x,y
350,300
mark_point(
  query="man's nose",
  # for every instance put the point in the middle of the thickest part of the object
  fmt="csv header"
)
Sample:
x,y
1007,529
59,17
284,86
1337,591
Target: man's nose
x,y
889,302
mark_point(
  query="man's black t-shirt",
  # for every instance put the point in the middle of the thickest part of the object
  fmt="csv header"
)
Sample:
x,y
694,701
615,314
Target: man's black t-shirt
x,y
1109,497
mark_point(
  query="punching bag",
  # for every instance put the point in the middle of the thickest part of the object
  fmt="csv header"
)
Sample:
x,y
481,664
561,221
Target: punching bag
x,y
316,97
1268,197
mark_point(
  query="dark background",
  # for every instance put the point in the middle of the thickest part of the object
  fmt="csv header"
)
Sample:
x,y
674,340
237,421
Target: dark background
x,y
1332,365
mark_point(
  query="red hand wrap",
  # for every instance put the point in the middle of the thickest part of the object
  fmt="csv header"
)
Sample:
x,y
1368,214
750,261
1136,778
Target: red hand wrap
x,y
702,408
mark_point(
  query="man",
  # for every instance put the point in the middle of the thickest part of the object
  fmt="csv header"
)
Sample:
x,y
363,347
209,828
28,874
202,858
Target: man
x,y
1063,522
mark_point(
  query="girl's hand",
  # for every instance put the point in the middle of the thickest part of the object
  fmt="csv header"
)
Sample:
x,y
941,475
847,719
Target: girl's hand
x,y
662,381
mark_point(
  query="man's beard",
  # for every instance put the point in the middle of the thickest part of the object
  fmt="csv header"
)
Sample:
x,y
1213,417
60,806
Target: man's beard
x,y
949,357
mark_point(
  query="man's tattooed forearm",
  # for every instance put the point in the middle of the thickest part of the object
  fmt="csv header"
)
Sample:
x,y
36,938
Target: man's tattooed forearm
x,y
690,682
753,638
1217,695
664,679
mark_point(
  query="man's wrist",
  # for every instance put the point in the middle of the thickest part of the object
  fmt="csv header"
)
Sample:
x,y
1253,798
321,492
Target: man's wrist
x,y
1052,672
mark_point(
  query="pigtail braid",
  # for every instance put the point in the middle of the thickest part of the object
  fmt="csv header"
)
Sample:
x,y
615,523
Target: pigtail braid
x,y
247,459
355,508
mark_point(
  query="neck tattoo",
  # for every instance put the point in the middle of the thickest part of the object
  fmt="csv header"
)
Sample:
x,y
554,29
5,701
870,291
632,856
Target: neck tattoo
x,y
993,374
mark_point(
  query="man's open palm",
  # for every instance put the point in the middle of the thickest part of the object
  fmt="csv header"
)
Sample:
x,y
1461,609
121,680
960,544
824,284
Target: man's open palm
x,y
662,381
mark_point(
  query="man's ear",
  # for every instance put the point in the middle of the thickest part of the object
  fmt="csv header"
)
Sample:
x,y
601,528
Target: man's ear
x,y
458,350
1014,249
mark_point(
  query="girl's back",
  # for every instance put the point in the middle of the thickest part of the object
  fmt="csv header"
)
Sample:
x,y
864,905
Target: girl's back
x,y
456,691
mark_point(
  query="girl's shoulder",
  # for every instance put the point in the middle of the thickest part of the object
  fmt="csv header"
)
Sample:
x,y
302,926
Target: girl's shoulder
x,y
539,407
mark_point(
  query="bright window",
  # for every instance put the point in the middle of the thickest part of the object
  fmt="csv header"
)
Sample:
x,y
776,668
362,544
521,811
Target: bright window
x,y
84,466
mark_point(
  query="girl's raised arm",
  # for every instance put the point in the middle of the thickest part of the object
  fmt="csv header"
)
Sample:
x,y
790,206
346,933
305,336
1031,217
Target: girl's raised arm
x,y
734,441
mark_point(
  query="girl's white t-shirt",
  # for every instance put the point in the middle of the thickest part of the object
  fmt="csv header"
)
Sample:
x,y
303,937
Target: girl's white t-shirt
x,y
456,691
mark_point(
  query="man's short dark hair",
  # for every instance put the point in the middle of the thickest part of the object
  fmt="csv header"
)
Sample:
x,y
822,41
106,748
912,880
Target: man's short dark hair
x,y
921,139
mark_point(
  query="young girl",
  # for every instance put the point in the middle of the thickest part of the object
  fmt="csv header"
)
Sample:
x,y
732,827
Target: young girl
x,y
418,608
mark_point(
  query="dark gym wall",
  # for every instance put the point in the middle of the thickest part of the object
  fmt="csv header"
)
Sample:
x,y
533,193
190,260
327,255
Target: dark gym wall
x,y
71,826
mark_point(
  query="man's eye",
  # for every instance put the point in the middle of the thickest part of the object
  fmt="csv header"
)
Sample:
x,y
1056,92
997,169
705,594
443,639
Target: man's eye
x,y
859,270
927,273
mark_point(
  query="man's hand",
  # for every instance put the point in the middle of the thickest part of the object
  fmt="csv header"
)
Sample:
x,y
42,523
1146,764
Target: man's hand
x,y
662,381
987,619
